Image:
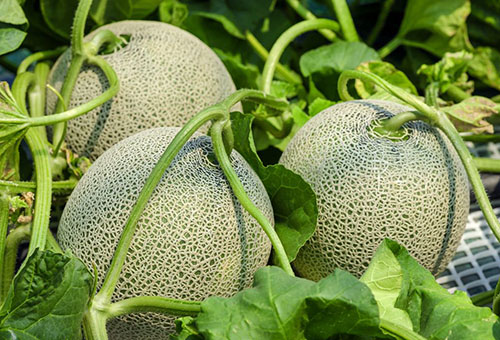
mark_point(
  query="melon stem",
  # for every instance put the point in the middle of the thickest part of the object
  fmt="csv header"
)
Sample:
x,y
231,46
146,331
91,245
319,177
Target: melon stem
x,y
243,198
90,105
392,127
39,56
285,39
159,304
297,6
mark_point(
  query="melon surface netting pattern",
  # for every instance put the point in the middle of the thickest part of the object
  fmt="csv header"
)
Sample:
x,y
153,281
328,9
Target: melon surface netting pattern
x,y
414,191
166,75
194,239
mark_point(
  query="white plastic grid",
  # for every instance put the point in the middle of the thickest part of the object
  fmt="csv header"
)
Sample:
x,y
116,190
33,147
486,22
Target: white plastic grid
x,y
476,265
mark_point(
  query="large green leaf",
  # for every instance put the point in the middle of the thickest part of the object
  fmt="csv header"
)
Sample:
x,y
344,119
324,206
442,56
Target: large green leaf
x,y
283,307
485,66
435,313
58,14
436,26
47,299
12,13
294,202
13,24
244,75
325,63
104,11
10,39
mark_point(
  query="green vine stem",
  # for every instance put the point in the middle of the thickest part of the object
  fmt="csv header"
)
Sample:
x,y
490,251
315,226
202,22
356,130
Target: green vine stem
x,y
483,299
113,273
77,111
43,194
36,95
496,300
382,17
94,323
482,138
217,112
4,224
43,175
39,56
77,59
14,239
456,93
308,15
17,187
156,304
487,164
239,192
391,46
440,120
282,71
284,40
52,243
344,17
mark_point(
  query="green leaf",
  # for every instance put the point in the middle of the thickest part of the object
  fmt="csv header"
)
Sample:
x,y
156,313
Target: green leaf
x,y
228,25
244,75
436,26
387,72
12,13
283,307
450,70
142,8
485,66
324,64
186,329
10,39
435,313
104,11
47,299
172,12
385,279
236,16
294,202
58,14
470,114
318,105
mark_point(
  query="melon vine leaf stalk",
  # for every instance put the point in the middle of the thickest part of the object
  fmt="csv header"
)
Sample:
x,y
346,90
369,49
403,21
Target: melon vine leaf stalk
x,y
47,298
293,200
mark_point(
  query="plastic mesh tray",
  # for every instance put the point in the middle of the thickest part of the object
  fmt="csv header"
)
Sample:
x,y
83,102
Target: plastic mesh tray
x,y
475,267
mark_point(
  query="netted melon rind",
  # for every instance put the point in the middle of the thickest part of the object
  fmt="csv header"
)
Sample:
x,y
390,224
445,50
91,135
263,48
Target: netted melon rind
x,y
193,240
166,76
414,191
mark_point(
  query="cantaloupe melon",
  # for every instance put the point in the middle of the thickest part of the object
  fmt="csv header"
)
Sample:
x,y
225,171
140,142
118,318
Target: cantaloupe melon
x,y
414,190
193,240
166,76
